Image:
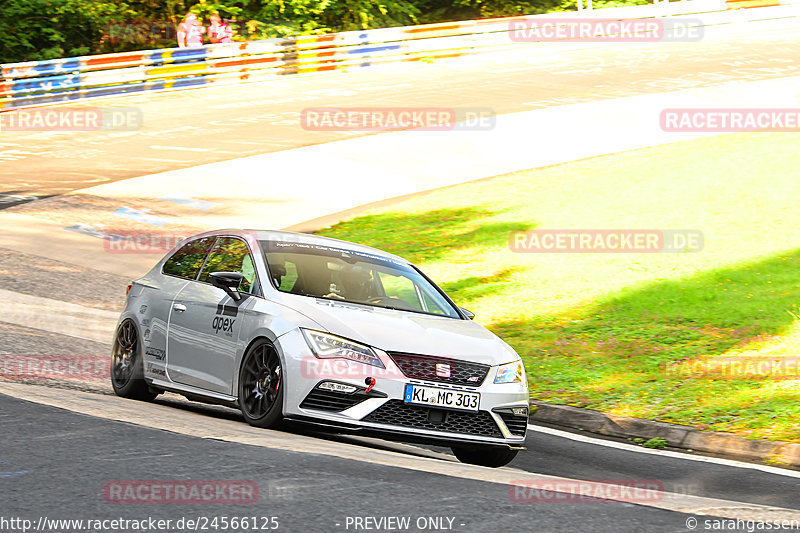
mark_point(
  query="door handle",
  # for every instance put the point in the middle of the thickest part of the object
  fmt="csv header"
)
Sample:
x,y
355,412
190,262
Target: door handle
x,y
179,308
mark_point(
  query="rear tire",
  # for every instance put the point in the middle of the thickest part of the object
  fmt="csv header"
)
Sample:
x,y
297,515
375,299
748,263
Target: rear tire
x,y
484,455
127,367
261,385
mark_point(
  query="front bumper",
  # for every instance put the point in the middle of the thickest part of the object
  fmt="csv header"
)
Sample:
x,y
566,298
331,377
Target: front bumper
x,y
382,411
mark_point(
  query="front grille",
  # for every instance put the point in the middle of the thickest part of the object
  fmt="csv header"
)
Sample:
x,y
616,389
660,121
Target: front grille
x,y
424,367
326,400
517,425
398,413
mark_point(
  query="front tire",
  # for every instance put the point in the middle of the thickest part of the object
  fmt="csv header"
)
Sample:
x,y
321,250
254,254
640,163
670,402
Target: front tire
x,y
261,385
484,455
127,368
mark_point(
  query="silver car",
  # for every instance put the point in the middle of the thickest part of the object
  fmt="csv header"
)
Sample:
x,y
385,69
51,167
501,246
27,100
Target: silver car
x,y
295,327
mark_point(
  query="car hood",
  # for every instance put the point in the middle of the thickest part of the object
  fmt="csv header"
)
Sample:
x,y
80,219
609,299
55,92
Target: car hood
x,y
402,331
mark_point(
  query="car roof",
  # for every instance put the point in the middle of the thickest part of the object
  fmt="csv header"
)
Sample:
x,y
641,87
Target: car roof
x,y
300,238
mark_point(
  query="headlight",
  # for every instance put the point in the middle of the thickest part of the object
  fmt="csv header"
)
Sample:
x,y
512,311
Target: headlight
x,y
327,346
511,373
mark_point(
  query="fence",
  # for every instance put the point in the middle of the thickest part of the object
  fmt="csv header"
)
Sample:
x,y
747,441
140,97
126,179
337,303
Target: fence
x,y
69,79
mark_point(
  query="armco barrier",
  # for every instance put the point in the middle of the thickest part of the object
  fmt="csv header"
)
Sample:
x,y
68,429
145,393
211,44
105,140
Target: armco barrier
x,y
69,79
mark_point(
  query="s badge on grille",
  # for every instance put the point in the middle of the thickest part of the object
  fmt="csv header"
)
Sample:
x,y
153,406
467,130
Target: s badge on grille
x,y
443,370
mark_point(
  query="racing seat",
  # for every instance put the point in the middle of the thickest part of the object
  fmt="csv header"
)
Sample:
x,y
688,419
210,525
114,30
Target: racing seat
x,y
277,271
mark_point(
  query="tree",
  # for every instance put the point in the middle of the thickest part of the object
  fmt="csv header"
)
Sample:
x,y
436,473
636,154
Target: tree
x,y
48,29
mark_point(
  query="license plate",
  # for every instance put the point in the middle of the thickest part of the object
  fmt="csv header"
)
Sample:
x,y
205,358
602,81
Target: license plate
x,y
434,396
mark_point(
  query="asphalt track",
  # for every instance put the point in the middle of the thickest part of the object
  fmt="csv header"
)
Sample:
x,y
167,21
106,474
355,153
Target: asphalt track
x,y
305,492
314,480
48,469
192,127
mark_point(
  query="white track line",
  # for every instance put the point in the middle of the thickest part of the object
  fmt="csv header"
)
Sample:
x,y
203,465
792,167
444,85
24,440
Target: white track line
x,y
664,453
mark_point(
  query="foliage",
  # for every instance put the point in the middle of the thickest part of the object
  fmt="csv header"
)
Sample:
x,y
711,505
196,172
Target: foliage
x,y
47,29
656,443
504,8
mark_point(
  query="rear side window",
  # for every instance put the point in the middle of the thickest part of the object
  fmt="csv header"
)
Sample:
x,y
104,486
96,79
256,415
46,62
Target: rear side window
x,y
186,262
232,255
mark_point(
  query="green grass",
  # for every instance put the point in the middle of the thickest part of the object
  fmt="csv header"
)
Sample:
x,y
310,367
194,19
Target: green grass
x,y
601,330
656,443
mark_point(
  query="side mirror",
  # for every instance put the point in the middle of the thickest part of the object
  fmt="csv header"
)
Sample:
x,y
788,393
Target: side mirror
x,y
469,314
228,282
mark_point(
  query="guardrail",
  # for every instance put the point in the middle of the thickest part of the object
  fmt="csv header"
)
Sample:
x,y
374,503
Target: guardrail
x,y
69,79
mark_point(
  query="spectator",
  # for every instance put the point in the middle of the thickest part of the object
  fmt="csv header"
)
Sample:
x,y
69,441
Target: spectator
x,y
190,32
219,31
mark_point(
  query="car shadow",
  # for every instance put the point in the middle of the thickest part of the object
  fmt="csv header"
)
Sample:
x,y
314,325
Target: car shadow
x,y
221,412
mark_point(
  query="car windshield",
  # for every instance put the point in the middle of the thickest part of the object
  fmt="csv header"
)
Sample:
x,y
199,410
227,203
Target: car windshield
x,y
352,276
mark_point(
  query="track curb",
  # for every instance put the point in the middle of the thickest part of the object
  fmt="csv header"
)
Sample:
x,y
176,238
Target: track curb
x,y
776,453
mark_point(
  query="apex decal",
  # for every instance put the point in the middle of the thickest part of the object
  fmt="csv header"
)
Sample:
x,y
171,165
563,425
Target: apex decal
x,y
221,322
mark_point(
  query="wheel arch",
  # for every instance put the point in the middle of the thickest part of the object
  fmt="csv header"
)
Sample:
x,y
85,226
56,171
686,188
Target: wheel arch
x,y
125,316
260,335
136,386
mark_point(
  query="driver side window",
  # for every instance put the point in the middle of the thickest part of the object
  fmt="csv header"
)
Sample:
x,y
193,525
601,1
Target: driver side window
x,y
186,262
231,255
